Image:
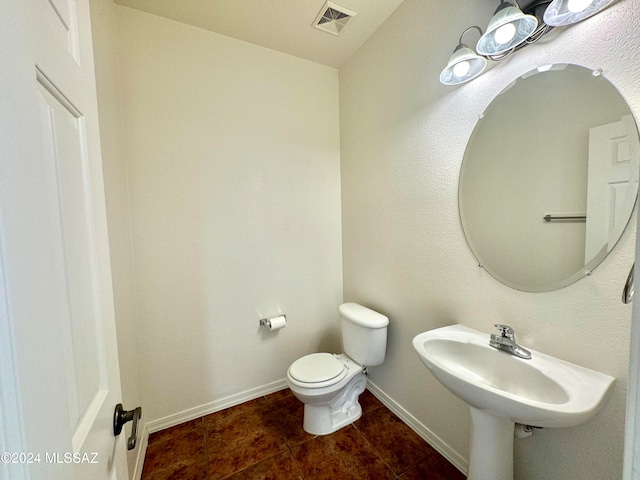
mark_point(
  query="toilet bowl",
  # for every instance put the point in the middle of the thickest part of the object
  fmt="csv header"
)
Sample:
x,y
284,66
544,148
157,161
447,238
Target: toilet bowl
x,y
329,403
329,384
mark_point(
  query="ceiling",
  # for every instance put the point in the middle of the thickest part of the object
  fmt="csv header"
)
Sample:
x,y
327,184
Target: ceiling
x,y
282,25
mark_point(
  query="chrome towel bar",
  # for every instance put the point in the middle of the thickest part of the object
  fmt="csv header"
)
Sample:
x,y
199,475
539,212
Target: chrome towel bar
x,y
561,217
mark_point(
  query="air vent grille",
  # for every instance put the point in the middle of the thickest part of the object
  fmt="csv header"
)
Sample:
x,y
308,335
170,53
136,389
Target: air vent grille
x,y
333,18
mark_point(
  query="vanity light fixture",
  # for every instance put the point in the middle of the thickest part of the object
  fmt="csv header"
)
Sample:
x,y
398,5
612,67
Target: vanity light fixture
x,y
508,28
512,28
565,12
465,64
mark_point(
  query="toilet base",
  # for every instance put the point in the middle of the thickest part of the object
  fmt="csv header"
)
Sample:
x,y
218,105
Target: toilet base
x,y
343,410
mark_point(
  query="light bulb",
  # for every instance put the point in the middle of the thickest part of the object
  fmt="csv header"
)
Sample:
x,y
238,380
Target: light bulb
x,y
505,33
577,6
461,69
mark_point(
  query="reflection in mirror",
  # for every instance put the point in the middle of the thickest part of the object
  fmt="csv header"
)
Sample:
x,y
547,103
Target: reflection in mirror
x,y
549,178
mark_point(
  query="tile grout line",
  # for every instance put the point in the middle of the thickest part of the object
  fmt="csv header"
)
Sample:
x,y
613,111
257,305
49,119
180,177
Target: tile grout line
x,y
295,462
286,449
395,475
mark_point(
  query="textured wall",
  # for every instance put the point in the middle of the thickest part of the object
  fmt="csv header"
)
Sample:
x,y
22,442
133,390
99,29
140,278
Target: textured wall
x,y
403,136
234,177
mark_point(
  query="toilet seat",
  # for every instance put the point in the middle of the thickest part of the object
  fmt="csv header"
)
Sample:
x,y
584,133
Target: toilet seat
x,y
317,370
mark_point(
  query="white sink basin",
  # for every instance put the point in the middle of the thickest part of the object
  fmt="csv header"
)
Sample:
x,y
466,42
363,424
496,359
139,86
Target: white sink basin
x,y
502,389
542,391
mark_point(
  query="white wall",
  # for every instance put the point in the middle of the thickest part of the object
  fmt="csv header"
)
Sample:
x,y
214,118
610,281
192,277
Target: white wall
x,y
234,177
403,137
105,45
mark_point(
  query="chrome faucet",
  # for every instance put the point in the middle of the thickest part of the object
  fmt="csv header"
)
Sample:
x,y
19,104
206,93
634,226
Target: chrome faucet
x,y
507,341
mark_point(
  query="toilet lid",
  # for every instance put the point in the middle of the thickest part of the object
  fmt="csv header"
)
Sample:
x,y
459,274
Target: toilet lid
x,y
318,368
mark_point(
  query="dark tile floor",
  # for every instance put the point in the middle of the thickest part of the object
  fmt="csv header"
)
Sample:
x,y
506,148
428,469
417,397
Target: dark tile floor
x,y
264,439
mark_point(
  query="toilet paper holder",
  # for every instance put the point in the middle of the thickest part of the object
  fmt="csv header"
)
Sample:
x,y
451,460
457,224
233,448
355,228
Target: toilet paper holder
x,y
266,322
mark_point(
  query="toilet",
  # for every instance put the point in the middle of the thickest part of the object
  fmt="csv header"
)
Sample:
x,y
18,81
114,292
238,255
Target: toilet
x,y
329,384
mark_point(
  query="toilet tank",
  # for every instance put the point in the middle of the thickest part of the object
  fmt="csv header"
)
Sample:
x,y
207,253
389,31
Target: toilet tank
x,y
364,334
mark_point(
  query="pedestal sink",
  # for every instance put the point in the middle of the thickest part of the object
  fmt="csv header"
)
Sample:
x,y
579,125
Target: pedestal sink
x,y
502,390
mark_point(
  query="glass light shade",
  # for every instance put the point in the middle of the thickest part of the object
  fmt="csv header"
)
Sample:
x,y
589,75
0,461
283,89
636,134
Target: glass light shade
x,y
565,12
464,65
508,28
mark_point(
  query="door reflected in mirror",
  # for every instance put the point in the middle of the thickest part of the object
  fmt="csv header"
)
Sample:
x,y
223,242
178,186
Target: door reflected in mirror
x,y
549,178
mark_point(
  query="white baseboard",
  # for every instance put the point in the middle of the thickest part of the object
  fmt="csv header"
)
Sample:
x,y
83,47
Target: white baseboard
x,y
215,406
427,435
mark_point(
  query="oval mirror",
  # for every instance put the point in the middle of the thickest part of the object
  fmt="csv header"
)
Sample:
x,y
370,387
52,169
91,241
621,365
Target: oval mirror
x,y
549,178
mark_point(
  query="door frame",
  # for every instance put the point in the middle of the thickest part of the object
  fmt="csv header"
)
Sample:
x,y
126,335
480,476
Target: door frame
x,y
631,469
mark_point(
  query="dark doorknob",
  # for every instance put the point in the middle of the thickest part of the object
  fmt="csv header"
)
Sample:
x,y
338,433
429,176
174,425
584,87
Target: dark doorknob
x,y
122,416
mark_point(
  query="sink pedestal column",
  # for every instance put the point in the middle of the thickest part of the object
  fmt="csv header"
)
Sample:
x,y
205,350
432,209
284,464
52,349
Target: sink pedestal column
x,y
491,447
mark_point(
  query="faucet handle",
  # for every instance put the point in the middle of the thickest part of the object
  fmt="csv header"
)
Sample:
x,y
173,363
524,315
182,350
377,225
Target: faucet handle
x,y
506,331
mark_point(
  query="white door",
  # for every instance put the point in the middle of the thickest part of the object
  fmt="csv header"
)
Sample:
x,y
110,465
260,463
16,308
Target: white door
x,y
614,154
59,376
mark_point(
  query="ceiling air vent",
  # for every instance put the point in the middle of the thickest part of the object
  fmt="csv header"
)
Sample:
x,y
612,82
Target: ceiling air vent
x,y
333,18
